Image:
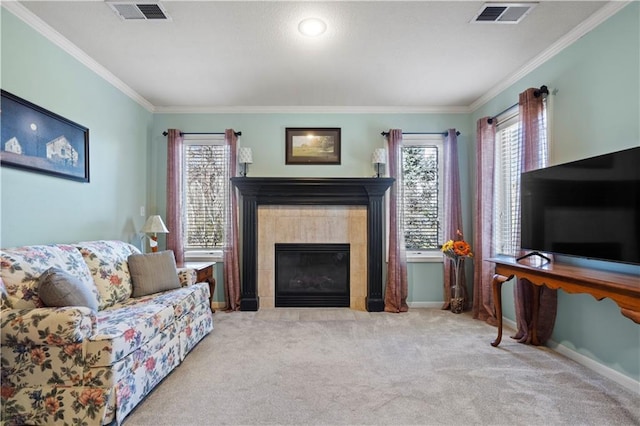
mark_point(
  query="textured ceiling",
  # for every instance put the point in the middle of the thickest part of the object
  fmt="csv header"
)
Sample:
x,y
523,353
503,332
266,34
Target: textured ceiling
x,y
243,54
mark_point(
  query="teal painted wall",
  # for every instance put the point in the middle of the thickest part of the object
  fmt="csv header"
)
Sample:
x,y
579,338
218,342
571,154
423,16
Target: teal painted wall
x,y
40,209
595,110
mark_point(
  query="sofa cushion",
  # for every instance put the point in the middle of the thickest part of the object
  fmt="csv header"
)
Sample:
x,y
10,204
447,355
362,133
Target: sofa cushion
x,y
22,266
153,273
121,330
185,300
107,261
58,288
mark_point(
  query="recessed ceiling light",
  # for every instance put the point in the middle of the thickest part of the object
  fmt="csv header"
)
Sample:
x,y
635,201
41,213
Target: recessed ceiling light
x,y
312,27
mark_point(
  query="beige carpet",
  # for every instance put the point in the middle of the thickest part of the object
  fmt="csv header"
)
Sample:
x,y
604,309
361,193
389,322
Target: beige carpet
x,y
338,367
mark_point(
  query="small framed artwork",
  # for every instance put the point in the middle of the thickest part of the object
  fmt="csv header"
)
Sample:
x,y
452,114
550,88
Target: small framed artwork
x,y
312,145
41,141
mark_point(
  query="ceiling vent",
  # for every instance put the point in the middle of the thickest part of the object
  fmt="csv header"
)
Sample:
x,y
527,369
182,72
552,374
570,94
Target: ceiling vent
x,y
136,11
503,13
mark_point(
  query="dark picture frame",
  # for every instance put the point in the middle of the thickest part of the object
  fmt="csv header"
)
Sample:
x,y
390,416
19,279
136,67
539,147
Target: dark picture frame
x,y
35,139
312,145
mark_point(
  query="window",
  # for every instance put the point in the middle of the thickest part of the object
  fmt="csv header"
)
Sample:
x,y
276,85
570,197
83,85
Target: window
x,y
205,189
508,167
421,194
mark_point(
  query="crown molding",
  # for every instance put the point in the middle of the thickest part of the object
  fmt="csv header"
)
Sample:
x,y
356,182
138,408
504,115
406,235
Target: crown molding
x,y
610,9
62,42
604,13
313,110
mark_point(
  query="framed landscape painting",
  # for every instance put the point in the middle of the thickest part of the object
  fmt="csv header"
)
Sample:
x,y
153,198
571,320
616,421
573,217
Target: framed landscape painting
x,y
41,141
312,145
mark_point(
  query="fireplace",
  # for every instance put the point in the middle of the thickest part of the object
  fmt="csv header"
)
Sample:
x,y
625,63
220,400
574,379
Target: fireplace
x,y
312,275
260,191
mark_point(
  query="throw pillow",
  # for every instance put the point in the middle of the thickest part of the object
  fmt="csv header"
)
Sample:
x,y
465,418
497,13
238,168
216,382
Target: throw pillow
x,y
153,272
57,288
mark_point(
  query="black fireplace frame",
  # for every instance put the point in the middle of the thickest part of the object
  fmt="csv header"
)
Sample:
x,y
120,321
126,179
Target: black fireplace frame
x,y
257,191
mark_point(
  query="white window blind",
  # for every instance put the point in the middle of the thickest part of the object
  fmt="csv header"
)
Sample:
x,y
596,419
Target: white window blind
x,y
507,194
205,193
421,195
508,167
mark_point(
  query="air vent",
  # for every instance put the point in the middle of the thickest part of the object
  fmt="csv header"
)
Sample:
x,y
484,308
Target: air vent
x,y
503,13
136,11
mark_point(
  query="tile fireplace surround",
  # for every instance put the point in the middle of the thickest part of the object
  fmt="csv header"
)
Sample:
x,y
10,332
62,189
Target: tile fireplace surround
x,y
313,224
312,210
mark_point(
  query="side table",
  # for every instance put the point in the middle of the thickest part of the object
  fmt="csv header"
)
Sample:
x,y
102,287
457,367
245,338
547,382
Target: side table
x,y
205,272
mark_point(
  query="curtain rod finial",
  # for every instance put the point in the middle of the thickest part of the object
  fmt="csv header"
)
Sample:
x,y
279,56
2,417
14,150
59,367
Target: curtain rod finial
x,y
542,91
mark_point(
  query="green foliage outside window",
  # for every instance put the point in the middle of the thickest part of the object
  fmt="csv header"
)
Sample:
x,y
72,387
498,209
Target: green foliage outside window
x,y
205,191
420,197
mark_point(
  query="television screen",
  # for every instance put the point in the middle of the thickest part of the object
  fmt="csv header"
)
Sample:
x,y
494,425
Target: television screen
x,y
588,208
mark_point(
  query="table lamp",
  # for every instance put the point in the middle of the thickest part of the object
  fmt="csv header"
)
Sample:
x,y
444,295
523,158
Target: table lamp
x,y
245,156
379,157
154,225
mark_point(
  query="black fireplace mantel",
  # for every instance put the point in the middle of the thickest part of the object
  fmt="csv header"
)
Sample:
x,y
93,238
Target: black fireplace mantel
x,y
257,191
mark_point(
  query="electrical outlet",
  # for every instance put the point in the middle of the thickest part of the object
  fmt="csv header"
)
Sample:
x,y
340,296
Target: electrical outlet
x,y
142,211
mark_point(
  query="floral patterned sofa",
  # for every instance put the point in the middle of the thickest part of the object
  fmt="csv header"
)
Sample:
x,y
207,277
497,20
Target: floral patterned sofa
x,y
76,365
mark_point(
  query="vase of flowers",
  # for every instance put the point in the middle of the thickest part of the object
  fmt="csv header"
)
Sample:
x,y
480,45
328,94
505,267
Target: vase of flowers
x,y
457,251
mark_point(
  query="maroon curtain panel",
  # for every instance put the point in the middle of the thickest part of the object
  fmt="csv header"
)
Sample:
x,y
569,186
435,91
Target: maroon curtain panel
x,y
534,155
483,308
231,246
395,296
452,213
174,194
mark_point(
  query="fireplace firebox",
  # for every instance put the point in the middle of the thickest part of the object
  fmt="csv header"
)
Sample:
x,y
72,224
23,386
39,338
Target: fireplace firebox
x,y
312,275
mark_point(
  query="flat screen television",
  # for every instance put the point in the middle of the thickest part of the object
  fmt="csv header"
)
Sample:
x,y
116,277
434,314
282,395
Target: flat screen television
x,y
588,208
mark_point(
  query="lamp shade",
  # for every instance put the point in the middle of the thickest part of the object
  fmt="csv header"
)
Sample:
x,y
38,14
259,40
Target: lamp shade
x,y
245,156
155,225
379,156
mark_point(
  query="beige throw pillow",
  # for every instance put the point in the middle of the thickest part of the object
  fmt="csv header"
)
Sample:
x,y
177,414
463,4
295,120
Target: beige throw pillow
x,y
153,272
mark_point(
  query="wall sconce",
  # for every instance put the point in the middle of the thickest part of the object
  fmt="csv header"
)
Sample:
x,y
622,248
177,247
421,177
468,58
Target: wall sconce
x,y
379,157
154,225
245,156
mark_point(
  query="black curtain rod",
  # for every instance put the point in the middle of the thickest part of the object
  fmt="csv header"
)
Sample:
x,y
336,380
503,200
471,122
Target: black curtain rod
x,y
539,92
422,133
165,133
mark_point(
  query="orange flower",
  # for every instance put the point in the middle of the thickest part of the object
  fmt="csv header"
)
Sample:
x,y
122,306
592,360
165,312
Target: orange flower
x,y
92,397
115,280
51,404
37,356
73,349
8,391
461,248
52,339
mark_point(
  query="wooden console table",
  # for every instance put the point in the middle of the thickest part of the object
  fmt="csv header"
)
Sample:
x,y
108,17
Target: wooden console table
x,y
624,289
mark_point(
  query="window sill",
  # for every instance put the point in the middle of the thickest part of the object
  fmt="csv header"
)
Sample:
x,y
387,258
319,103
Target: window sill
x,y
425,257
203,256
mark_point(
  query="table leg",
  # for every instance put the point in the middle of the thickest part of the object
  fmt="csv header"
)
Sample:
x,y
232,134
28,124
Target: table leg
x,y
534,315
496,285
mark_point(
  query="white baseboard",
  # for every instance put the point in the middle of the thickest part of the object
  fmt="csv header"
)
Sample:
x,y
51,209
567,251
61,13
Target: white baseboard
x,y
608,372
